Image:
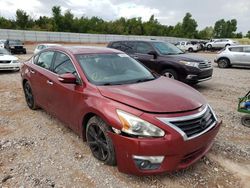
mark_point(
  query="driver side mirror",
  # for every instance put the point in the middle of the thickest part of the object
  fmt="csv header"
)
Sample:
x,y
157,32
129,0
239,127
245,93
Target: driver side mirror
x,y
154,53
67,78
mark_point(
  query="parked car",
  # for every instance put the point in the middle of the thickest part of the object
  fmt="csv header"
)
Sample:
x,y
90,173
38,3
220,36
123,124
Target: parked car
x,y
188,46
233,55
15,46
8,61
167,60
144,123
219,43
2,43
40,47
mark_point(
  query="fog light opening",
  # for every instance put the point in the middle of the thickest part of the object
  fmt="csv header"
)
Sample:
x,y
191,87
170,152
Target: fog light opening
x,y
148,162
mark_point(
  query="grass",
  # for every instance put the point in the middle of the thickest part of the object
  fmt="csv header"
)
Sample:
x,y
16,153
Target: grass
x,y
243,41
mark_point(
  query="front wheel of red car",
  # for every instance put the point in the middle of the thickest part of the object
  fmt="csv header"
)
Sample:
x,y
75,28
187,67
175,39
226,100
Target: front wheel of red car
x,y
99,142
29,96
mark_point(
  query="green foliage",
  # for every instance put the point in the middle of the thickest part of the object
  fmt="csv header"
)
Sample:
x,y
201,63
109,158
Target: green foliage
x,y
248,34
67,22
23,20
189,26
225,29
206,33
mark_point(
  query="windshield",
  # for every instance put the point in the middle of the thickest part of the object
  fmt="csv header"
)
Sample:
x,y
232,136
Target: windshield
x,y
113,69
167,48
4,51
15,42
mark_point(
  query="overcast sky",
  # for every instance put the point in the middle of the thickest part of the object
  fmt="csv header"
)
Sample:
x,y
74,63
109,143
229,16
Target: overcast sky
x,y
168,12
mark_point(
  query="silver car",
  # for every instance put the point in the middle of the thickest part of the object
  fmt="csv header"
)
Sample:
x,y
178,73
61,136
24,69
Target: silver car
x,y
233,55
220,43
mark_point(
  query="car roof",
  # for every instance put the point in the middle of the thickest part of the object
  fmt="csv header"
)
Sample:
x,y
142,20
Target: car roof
x,y
235,46
138,40
86,49
49,44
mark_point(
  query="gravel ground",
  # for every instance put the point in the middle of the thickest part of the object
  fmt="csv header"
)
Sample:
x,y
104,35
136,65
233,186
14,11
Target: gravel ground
x,y
36,150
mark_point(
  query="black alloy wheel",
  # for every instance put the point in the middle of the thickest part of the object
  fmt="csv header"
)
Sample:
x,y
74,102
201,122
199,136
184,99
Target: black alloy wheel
x,y
99,142
29,96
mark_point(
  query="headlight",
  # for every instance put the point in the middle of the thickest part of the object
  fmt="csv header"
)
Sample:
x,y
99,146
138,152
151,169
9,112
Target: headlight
x,y
135,126
191,64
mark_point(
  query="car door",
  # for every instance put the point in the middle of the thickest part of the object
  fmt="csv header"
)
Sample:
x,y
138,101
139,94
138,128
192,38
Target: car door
x,y
141,54
236,55
246,55
39,77
65,98
216,43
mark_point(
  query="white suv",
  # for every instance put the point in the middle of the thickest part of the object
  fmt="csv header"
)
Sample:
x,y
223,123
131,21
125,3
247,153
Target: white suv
x,y
233,55
219,43
188,46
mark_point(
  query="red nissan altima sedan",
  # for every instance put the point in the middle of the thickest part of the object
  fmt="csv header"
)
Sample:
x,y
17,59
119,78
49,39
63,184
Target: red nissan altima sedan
x,y
144,123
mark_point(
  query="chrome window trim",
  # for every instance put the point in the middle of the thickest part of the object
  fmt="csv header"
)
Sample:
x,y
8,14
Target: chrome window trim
x,y
54,72
167,121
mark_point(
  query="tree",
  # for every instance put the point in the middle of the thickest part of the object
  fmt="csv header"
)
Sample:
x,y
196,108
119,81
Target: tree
x,y
225,29
206,33
68,21
248,34
57,18
22,19
5,23
239,35
189,26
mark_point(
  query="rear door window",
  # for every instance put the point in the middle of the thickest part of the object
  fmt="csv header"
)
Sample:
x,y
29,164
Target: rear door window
x,y
45,59
246,49
236,49
124,46
143,47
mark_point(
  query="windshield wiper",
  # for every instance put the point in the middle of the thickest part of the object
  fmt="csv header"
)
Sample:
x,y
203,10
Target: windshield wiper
x,y
110,84
144,80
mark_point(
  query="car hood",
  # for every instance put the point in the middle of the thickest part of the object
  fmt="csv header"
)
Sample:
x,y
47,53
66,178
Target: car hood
x,y
186,57
7,57
161,95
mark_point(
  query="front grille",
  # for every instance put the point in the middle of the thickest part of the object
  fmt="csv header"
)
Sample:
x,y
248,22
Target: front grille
x,y
4,62
194,126
205,65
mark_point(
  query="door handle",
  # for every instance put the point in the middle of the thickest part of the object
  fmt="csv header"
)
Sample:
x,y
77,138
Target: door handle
x,y
49,82
135,57
32,71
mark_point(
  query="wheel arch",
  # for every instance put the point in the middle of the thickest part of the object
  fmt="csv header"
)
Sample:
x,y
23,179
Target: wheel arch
x,y
85,120
223,57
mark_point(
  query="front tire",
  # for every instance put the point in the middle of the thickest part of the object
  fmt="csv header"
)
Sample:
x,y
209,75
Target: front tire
x,y
170,73
29,96
223,63
99,141
190,49
245,120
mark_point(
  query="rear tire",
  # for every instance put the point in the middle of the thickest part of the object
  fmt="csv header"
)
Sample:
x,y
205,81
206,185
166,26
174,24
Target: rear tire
x,y
223,63
190,49
209,47
170,73
99,141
